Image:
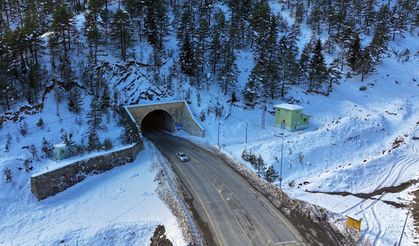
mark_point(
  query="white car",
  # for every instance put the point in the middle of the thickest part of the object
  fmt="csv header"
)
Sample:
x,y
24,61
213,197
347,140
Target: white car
x,y
182,156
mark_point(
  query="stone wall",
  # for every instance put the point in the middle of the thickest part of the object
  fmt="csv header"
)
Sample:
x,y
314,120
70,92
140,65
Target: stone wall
x,y
50,183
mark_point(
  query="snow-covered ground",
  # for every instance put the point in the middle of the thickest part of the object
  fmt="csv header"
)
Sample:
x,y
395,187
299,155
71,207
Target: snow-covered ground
x,y
120,207
358,141
348,147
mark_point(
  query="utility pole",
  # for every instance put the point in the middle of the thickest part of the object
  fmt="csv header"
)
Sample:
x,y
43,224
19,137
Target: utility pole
x,y
404,226
263,117
218,136
280,170
246,133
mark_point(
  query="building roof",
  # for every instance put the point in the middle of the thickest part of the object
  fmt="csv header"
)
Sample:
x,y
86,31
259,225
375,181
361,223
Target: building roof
x,y
60,145
288,106
354,216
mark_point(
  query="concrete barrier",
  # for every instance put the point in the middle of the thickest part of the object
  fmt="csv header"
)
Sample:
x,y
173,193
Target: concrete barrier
x,y
49,183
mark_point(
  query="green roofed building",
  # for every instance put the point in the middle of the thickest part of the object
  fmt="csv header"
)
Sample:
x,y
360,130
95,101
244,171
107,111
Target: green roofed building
x,y
291,117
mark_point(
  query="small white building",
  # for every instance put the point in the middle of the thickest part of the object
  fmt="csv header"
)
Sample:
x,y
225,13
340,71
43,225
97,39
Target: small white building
x,y
60,151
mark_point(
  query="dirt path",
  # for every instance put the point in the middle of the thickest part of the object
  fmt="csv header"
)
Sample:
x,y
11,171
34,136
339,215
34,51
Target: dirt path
x,y
378,192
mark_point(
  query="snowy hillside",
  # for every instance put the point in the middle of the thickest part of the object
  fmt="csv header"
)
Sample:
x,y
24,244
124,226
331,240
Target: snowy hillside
x,y
359,141
121,207
67,67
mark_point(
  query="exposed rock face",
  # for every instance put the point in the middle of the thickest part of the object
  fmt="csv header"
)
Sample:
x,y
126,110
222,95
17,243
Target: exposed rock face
x,y
415,210
159,239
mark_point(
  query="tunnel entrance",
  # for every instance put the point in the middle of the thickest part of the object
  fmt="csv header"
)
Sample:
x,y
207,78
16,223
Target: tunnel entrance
x,y
158,119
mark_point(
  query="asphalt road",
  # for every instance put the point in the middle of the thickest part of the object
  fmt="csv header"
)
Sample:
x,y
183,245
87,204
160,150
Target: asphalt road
x,y
233,212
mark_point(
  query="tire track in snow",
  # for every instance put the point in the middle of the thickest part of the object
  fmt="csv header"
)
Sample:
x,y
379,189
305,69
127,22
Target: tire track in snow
x,y
402,164
380,233
368,227
399,162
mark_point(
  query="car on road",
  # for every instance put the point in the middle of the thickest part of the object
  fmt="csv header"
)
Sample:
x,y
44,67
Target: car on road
x,y
182,156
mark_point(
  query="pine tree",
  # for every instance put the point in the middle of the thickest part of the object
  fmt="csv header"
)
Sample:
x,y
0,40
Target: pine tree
x,y
32,32
252,88
93,33
269,57
381,35
121,31
63,25
334,74
341,16
318,72
107,144
47,148
33,150
289,68
354,53
8,142
259,164
240,21
35,80
369,15
105,16
261,20
229,72
75,100
203,35
366,62
135,8
8,93
271,175
199,60
7,174
150,23
398,19
162,20
23,129
66,70
315,19
95,114
332,17
19,66
93,142
217,38
67,139
105,100
186,26
305,58
187,59
40,123
299,12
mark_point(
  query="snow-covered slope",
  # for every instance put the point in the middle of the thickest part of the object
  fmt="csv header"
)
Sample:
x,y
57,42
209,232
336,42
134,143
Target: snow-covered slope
x,y
359,141
120,207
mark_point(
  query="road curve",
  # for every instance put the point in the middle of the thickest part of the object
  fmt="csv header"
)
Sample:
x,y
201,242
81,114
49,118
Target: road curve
x,y
231,210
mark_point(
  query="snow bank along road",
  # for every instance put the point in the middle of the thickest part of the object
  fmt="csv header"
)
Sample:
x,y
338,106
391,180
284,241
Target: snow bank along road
x,y
229,210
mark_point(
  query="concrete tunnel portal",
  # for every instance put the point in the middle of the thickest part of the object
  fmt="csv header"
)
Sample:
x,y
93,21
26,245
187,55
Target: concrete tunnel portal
x,y
158,119
169,116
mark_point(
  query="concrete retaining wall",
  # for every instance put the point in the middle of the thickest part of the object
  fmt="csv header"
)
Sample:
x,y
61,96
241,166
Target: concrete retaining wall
x,y
50,183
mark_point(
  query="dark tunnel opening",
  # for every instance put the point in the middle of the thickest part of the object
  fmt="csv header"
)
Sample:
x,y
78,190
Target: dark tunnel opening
x,y
156,120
